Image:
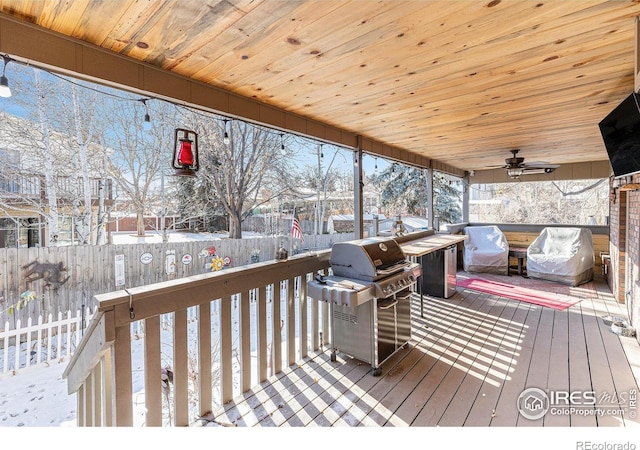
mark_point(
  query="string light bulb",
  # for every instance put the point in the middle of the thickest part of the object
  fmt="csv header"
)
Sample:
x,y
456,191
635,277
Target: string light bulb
x,y
282,149
226,139
147,118
5,91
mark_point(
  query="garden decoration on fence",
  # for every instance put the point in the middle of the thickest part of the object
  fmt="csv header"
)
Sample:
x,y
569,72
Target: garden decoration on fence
x,y
216,262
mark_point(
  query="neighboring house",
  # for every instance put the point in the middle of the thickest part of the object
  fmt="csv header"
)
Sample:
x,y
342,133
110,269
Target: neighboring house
x,y
23,190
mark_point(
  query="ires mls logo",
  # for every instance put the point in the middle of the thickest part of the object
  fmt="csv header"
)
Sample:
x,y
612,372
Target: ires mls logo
x,y
534,403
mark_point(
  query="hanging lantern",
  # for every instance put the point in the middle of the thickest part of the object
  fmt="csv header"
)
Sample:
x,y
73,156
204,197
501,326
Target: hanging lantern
x,y
185,153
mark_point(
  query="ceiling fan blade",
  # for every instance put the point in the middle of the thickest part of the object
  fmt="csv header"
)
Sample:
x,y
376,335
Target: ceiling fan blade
x,y
540,165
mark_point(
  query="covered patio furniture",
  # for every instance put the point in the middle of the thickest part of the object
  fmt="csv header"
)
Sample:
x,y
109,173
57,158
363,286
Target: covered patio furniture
x,y
486,250
562,254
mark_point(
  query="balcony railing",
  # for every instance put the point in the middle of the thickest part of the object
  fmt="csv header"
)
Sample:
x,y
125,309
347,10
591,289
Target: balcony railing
x,y
101,371
32,186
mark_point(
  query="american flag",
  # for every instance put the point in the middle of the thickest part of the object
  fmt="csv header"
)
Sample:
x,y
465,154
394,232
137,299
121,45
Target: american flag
x,y
296,230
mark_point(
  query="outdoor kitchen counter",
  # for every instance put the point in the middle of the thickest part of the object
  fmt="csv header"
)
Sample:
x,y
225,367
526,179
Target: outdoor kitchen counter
x,y
431,243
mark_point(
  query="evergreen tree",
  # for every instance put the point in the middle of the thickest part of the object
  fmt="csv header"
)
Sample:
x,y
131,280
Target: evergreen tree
x,y
404,191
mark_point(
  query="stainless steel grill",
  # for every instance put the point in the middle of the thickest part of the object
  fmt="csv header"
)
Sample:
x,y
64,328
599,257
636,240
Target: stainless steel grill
x,y
369,297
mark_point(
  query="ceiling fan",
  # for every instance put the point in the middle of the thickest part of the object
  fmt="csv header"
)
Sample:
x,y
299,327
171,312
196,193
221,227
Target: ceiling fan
x,y
516,167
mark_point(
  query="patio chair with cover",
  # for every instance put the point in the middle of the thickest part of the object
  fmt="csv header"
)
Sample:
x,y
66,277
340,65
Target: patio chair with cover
x,y
486,250
562,254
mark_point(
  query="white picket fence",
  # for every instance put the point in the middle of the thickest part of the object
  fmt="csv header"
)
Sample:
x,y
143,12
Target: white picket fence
x,y
41,343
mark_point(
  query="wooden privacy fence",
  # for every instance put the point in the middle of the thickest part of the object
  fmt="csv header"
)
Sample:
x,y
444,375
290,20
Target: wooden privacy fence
x,y
31,344
50,280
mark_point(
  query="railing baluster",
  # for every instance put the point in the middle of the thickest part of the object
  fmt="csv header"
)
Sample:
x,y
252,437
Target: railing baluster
x,y
325,319
107,375
304,337
315,324
152,372
97,396
276,327
226,350
124,384
205,384
291,321
90,388
245,341
261,318
180,368
81,400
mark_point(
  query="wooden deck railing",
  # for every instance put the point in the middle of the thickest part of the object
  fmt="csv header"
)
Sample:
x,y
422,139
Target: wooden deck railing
x,y
101,371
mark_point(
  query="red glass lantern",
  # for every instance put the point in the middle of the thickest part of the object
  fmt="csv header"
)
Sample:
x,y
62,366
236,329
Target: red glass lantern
x,y
185,153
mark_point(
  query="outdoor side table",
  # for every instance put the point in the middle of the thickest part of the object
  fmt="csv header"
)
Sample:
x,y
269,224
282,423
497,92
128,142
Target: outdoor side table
x,y
520,253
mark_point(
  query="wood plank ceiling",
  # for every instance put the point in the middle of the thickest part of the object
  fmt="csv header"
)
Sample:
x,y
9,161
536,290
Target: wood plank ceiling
x,y
461,82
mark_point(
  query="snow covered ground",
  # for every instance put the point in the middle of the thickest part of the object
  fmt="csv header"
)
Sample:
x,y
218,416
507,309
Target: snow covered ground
x,y
36,397
155,237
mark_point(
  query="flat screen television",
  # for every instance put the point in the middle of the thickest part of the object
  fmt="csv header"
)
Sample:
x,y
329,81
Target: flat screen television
x,y
621,135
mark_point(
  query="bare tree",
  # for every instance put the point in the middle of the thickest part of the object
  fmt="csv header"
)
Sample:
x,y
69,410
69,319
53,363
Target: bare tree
x,y
236,171
56,155
138,154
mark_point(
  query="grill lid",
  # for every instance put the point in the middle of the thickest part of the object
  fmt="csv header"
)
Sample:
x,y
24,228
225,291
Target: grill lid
x,y
367,259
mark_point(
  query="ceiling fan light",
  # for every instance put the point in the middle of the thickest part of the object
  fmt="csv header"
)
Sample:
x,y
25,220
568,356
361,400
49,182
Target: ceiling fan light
x,y
514,172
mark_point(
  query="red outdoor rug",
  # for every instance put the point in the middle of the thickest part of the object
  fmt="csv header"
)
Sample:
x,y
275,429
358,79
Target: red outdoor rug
x,y
548,299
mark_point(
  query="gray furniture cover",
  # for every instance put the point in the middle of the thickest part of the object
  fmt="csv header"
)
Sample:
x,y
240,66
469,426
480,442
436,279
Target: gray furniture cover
x,y
562,254
486,250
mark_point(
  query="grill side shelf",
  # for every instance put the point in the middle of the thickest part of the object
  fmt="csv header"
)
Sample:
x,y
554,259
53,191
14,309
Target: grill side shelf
x,y
340,292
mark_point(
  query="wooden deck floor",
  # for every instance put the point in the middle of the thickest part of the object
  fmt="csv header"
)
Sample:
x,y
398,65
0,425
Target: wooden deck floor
x,y
469,359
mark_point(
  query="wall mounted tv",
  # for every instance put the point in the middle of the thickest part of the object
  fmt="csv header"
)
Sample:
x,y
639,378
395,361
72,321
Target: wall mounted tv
x,y
621,134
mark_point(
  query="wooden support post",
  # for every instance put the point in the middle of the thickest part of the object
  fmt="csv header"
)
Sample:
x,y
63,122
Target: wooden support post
x,y
358,182
637,56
